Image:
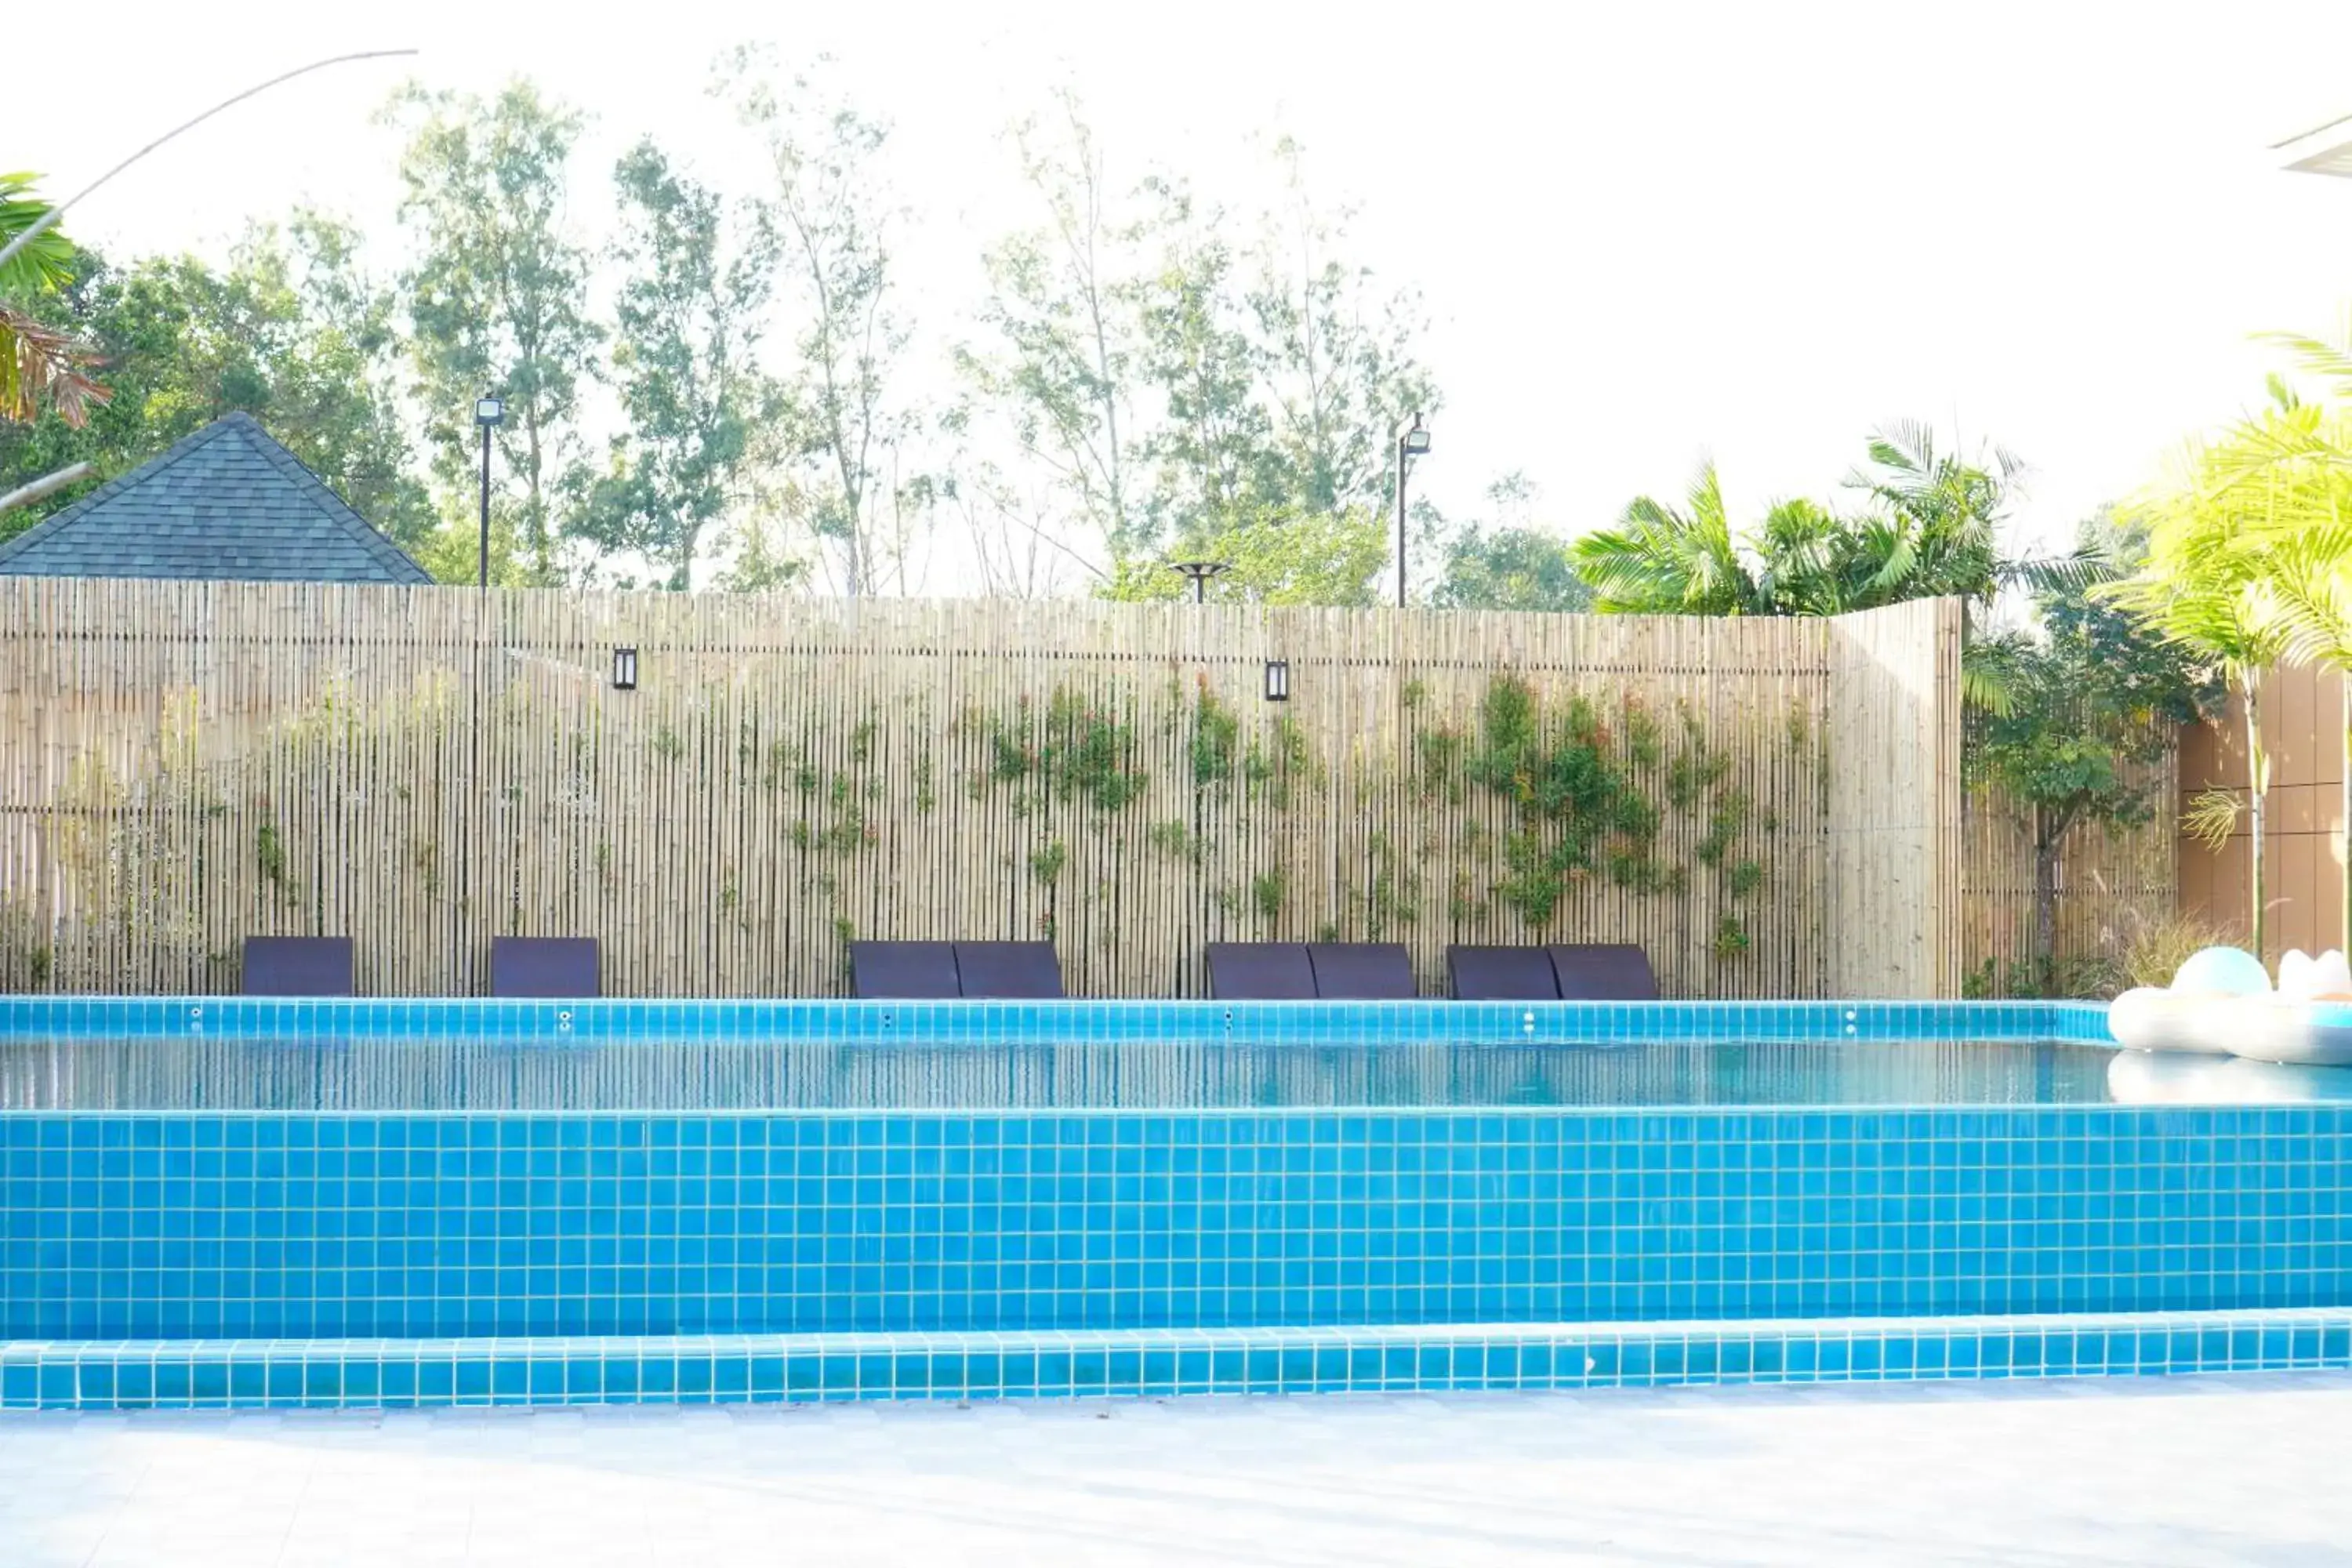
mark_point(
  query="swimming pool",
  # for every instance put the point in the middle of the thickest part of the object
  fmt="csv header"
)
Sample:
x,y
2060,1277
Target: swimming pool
x,y
214,1201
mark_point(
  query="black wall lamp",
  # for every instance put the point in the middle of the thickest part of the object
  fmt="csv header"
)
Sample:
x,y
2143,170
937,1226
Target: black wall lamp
x,y
625,669
1278,680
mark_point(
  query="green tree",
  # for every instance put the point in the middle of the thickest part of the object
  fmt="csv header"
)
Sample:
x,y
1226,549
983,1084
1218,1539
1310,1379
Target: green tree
x,y
2204,588
1174,372
1273,557
1931,529
2292,469
496,295
1506,562
857,487
1510,569
1209,444
688,326
1057,368
1340,359
2095,701
290,331
1663,560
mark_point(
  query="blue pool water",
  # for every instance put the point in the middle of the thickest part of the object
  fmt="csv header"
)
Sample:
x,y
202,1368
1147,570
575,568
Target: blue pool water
x,y
372,1202
397,1073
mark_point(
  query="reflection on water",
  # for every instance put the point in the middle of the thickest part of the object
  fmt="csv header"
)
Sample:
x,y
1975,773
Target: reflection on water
x,y
402,1074
2161,1077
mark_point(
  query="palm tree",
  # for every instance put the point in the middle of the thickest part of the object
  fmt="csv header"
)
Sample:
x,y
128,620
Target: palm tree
x,y
1660,562
40,366
2211,583
1932,528
2295,461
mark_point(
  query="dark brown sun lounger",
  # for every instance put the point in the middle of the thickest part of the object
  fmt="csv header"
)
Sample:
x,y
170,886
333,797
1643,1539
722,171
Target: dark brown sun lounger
x,y
298,967
1502,975
1604,972
1362,971
1021,971
1261,972
904,970
564,966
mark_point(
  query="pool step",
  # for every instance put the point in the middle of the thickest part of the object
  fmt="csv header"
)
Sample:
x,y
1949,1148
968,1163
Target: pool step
x,y
702,1369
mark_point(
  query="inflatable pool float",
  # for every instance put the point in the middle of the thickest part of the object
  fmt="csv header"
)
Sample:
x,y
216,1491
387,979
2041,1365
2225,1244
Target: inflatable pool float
x,y
2222,1004
2297,1034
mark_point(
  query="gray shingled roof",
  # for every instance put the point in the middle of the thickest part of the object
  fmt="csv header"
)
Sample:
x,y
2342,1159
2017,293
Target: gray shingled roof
x,y
228,503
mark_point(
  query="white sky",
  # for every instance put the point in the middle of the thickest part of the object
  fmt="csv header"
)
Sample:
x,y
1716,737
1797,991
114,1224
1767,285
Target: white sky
x,y
1645,233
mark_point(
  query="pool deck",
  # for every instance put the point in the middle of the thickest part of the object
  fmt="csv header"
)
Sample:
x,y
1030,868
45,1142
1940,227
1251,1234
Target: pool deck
x,y
2064,1474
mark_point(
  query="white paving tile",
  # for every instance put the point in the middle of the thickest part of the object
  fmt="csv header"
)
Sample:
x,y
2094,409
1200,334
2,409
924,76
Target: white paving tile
x,y
2037,1475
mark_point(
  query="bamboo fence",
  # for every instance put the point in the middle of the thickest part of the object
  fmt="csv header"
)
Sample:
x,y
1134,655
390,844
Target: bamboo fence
x,y
2113,883
1769,806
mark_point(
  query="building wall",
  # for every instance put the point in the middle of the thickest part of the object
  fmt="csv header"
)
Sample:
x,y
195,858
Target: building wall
x,y
2303,730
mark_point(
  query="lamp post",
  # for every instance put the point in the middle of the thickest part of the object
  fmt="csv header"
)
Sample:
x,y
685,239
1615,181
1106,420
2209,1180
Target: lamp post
x,y
1198,573
2328,151
490,410
1413,441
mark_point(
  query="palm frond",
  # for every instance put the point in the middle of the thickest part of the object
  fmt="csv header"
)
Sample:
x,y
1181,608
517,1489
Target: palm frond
x,y
2331,362
41,366
42,267
1991,664
2074,573
2211,817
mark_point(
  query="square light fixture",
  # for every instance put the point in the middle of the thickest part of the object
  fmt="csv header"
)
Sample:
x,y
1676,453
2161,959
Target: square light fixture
x,y
490,409
1278,680
625,669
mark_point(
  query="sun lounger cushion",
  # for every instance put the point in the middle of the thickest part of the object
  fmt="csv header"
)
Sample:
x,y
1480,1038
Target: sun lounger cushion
x,y
1261,972
1024,971
1604,972
544,967
904,970
1362,971
298,967
1502,975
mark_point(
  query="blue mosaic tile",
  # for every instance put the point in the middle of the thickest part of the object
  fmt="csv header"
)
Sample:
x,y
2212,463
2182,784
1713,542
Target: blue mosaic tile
x,y
739,1369
107,1017
310,1226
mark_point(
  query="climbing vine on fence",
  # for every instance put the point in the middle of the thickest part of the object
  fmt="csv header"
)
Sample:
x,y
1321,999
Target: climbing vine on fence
x,y
1590,785
1135,794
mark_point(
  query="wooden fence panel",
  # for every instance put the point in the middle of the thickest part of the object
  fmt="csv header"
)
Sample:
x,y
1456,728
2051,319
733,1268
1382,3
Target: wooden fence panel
x,y
1769,806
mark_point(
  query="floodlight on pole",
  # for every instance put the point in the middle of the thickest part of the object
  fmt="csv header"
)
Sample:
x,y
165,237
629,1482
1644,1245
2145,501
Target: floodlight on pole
x,y
1413,441
1198,573
490,409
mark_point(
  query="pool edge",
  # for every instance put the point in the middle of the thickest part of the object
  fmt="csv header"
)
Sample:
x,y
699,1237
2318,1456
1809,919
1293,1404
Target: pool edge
x,y
1153,1362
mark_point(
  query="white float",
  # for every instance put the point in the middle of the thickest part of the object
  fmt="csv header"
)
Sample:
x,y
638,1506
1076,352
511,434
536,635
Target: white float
x,y
2222,1004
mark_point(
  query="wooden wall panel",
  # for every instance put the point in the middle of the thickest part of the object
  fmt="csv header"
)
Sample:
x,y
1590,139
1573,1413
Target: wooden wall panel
x,y
2303,730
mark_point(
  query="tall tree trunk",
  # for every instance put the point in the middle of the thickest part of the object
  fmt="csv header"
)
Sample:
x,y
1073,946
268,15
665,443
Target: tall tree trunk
x,y
540,566
2257,786
2045,903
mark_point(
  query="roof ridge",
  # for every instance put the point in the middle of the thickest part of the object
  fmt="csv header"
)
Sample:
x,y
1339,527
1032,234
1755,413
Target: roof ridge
x,y
304,491
366,535
178,451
